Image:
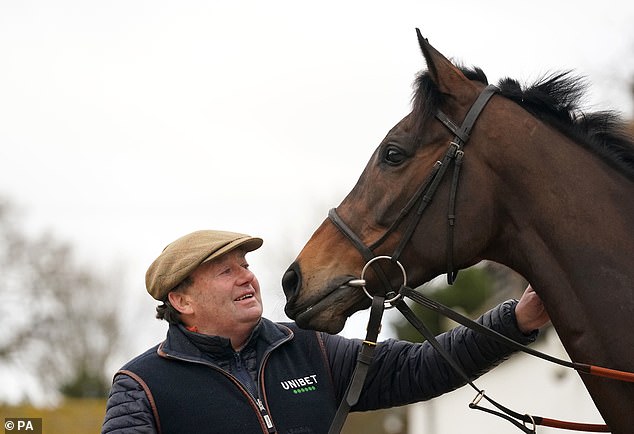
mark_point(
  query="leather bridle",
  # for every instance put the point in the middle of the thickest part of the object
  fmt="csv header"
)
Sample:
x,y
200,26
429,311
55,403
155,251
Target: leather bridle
x,y
425,193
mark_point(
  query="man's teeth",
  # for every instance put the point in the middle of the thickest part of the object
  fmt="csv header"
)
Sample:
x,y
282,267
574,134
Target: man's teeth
x,y
244,297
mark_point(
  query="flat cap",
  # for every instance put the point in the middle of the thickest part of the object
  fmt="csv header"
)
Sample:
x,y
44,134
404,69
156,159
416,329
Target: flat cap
x,y
184,255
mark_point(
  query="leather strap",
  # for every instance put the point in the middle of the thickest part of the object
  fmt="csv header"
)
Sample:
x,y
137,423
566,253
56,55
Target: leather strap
x,y
505,412
461,136
349,233
364,359
366,252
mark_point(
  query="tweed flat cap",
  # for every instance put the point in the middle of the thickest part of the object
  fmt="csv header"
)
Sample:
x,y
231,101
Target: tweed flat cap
x,y
182,256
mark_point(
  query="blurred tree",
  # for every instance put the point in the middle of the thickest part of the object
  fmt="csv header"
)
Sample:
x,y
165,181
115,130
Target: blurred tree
x,y
476,290
57,325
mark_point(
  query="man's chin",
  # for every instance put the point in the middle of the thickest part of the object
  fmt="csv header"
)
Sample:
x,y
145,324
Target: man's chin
x,y
251,316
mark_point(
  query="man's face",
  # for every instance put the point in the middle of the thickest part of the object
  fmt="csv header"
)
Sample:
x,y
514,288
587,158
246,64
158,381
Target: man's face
x,y
225,295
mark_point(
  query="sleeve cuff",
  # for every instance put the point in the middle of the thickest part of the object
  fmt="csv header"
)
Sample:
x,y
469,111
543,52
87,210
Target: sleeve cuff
x,y
510,323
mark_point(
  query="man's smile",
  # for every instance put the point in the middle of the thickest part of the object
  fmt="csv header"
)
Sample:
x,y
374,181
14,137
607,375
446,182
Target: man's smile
x,y
244,297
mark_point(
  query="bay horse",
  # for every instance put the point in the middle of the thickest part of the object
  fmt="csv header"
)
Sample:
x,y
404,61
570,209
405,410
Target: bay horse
x,y
544,189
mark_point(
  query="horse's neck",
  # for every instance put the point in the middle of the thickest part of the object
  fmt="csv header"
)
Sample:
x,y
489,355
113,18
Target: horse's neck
x,y
570,236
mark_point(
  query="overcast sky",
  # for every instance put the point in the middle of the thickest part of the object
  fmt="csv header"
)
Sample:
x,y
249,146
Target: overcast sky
x,y
126,124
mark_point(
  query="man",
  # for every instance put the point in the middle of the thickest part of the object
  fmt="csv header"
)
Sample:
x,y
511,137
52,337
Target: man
x,y
225,369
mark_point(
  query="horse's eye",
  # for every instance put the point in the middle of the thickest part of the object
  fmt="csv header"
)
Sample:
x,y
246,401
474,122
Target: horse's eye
x,y
394,155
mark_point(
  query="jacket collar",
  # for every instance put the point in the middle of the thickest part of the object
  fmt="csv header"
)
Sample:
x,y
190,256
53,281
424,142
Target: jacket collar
x,y
199,348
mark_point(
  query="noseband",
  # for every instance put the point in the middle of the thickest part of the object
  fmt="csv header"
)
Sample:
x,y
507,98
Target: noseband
x,y
424,195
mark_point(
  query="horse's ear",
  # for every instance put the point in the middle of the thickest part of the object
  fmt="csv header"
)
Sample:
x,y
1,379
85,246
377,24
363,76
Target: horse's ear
x,y
441,70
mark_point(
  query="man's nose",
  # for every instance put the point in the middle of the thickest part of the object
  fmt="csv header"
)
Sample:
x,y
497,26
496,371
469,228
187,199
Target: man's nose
x,y
246,276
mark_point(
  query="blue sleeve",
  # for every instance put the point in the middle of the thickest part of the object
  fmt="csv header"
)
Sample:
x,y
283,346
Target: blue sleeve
x,y
128,409
403,372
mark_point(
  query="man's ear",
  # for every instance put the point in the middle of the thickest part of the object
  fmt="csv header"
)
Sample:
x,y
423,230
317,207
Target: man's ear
x,y
180,302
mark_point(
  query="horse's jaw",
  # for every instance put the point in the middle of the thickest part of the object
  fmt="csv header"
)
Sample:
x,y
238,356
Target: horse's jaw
x,y
328,310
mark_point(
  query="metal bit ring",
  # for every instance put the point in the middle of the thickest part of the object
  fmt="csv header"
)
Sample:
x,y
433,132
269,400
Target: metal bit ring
x,y
376,259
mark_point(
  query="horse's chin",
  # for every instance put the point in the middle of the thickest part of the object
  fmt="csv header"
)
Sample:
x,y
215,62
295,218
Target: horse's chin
x,y
328,324
331,312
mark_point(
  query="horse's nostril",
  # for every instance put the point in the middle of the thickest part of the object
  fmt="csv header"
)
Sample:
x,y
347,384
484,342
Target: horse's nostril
x,y
291,280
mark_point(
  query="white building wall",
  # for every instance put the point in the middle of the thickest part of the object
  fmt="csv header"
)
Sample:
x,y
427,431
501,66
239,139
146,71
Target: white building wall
x,y
524,384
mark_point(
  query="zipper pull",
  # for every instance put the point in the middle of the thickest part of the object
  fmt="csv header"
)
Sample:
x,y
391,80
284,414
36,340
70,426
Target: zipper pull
x,y
265,415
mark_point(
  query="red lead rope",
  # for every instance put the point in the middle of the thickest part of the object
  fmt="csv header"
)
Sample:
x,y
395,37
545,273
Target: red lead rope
x,y
607,373
597,371
574,426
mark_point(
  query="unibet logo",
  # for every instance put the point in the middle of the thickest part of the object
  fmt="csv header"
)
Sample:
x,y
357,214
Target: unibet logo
x,y
300,385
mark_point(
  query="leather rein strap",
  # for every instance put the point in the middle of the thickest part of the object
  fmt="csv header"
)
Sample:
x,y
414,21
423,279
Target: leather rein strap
x,y
364,359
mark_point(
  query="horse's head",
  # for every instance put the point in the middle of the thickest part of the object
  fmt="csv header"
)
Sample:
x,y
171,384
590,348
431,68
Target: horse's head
x,y
390,211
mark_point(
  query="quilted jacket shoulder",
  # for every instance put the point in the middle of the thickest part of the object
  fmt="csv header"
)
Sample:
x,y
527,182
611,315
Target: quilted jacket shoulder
x,y
128,409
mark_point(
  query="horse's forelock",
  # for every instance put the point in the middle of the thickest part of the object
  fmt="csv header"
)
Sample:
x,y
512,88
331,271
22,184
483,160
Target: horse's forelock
x,y
426,99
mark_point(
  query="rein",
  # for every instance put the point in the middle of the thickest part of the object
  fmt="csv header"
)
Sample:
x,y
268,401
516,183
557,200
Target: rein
x,y
419,202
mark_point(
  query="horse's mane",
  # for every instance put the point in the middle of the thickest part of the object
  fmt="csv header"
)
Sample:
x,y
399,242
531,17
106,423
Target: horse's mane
x,y
555,99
